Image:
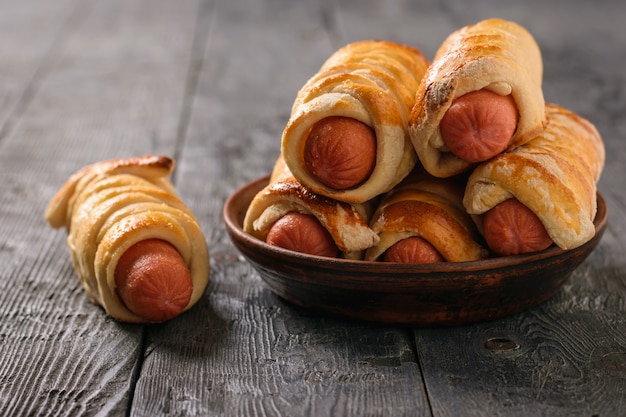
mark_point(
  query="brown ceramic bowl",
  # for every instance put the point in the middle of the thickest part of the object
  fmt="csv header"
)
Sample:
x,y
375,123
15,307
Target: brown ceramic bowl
x,y
436,294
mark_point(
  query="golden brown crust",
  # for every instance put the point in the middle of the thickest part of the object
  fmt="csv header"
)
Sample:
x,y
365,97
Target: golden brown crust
x,y
346,223
373,82
151,166
555,175
109,206
431,209
494,54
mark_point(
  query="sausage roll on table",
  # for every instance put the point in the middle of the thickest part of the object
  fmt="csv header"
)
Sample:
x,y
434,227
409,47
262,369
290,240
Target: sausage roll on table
x,y
138,250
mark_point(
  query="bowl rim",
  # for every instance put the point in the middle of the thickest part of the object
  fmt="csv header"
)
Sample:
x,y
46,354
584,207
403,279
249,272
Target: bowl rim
x,y
235,229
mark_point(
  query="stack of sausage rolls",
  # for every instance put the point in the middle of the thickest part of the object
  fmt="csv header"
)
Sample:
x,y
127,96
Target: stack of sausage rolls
x,y
390,157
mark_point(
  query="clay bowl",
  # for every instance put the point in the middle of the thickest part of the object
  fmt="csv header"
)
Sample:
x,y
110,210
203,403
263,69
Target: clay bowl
x,y
439,294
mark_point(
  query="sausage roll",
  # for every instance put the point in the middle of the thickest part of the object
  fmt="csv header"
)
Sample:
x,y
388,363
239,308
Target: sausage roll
x,y
554,175
346,223
494,55
374,83
431,209
109,206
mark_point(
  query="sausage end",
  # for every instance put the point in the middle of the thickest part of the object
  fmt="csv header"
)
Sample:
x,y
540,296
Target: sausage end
x,y
511,228
413,250
340,152
302,233
479,125
153,280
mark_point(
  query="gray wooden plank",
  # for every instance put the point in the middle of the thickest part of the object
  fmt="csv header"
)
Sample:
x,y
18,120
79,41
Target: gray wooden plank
x,y
30,31
111,85
567,356
243,351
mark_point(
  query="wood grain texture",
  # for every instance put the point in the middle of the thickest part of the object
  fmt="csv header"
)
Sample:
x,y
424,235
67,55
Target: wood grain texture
x,y
565,358
27,53
105,79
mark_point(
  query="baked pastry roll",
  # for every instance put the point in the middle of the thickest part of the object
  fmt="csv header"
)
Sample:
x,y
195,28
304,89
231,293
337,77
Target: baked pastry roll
x,y
368,82
345,223
492,56
108,207
431,209
554,175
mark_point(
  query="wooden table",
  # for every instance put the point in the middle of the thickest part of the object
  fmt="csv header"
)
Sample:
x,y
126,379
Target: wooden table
x,y
211,83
